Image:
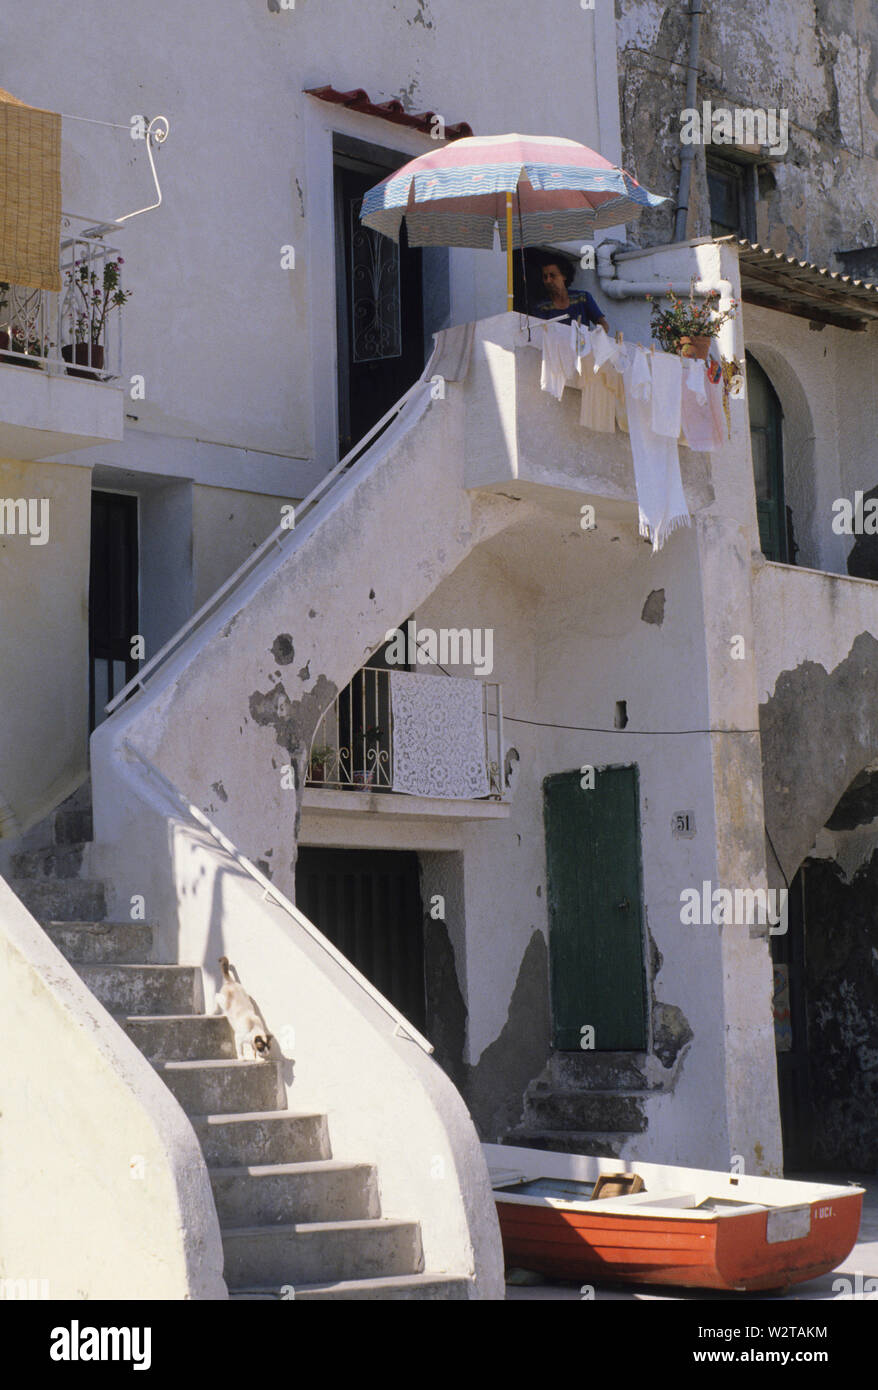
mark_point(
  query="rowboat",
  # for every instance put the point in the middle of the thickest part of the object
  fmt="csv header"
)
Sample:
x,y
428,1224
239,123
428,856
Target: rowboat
x,y
580,1217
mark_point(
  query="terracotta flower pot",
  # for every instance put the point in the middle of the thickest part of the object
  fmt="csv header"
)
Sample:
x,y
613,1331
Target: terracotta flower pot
x,y
30,361
317,773
89,355
699,347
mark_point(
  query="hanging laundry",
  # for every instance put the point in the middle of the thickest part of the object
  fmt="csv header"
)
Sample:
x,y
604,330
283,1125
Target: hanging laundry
x,y
701,429
598,408
660,497
559,357
667,389
603,397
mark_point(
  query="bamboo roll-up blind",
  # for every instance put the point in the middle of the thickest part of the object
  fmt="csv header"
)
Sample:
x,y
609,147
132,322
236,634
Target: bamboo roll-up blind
x,y
30,194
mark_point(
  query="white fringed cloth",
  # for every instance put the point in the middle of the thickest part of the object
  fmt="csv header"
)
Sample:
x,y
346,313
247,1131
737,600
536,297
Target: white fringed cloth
x,y
438,736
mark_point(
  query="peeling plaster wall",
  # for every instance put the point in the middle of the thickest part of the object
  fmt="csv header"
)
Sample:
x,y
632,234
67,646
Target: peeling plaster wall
x,y
817,654
564,657
816,59
44,631
235,707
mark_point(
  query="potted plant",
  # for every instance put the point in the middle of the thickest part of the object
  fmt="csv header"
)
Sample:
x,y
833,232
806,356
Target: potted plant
x,y
94,300
319,758
688,326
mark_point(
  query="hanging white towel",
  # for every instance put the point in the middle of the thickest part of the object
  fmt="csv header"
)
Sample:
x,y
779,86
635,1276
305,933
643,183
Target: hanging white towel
x,y
698,416
667,387
438,736
660,497
598,408
559,357
451,353
608,362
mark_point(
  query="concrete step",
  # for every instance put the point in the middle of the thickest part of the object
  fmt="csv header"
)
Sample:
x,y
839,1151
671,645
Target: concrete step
x,y
598,1145
181,1037
145,989
229,1141
594,1071
328,1190
585,1110
103,943
57,861
398,1288
224,1088
320,1252
62,900
73,824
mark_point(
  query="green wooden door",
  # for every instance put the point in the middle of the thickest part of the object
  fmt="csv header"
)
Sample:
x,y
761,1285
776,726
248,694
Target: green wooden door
x,y
766,443
595,933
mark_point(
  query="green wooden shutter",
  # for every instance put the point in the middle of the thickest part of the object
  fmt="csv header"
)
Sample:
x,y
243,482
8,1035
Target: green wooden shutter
x,y
595,919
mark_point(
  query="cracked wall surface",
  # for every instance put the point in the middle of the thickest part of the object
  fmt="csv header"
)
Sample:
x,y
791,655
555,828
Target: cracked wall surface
x,y
818,60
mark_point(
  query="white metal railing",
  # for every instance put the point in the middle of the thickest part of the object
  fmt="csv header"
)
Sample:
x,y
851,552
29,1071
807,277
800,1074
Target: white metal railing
x,y
77,331
352,745
192,813
280,536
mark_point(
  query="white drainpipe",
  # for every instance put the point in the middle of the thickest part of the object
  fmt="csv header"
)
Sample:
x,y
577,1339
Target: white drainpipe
x,y
615,288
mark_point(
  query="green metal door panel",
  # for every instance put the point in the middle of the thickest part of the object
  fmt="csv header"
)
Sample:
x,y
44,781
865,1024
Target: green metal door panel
x,y
594,893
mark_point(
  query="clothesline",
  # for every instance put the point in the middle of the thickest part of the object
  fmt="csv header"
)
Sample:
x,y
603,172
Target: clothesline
x,y
657,397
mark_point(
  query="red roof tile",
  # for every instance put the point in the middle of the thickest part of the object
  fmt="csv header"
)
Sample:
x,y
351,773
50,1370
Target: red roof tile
x,y
359,100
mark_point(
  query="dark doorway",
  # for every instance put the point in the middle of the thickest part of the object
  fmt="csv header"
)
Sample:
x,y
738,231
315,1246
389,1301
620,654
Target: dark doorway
x,y
368,903
379,303
595,927
113,608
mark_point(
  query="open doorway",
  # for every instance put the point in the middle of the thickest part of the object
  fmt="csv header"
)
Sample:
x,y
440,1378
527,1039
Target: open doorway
x,y
379,297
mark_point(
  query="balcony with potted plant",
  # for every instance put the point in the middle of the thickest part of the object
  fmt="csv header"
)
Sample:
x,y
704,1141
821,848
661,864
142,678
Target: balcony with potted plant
x,y
70,344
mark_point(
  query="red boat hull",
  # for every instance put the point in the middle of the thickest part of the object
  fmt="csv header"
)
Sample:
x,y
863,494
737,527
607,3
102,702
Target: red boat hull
x,y
729,1253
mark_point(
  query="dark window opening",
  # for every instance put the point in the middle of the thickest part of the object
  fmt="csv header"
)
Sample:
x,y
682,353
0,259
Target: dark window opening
x,y
732,198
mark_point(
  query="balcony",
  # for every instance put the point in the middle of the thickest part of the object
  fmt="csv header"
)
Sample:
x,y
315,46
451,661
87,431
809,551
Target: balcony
x,y
60,360
433,737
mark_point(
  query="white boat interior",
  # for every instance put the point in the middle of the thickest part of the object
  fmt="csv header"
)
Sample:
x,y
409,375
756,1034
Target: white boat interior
x,y
538,1177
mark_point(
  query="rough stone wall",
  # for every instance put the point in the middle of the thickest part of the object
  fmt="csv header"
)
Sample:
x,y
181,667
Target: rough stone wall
x,y
816,58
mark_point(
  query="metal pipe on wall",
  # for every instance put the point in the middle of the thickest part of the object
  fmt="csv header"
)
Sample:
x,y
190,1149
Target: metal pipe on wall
x,y
695,13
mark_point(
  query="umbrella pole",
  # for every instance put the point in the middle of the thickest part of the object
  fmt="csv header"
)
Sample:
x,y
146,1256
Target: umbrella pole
x,y
509,291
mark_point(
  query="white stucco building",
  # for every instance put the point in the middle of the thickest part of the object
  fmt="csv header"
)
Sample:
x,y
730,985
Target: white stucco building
x,y
500,947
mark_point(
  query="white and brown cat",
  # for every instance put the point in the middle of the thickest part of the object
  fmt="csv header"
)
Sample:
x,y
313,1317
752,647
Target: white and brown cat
x,y
246,1022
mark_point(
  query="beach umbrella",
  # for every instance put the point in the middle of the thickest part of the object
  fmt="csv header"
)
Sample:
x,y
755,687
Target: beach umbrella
x,y
532,188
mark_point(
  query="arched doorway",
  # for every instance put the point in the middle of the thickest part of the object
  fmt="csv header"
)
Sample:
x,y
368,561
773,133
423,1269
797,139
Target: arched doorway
x,y
766,443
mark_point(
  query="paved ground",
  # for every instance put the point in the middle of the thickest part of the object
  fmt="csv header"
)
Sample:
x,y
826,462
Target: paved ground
x,y
862,1261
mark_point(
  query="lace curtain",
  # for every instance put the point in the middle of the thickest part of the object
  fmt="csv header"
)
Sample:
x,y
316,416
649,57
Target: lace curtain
x,y
438,736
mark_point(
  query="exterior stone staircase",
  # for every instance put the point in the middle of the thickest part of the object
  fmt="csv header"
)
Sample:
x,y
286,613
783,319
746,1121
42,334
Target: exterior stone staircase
x,y
590,1102
295,1222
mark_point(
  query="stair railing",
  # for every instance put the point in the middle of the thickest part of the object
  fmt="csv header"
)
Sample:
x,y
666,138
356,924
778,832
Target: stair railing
x,y
402,1026
277,537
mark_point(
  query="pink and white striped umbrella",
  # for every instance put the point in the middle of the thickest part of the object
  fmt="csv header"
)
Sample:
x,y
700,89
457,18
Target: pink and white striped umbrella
x,y
456,195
